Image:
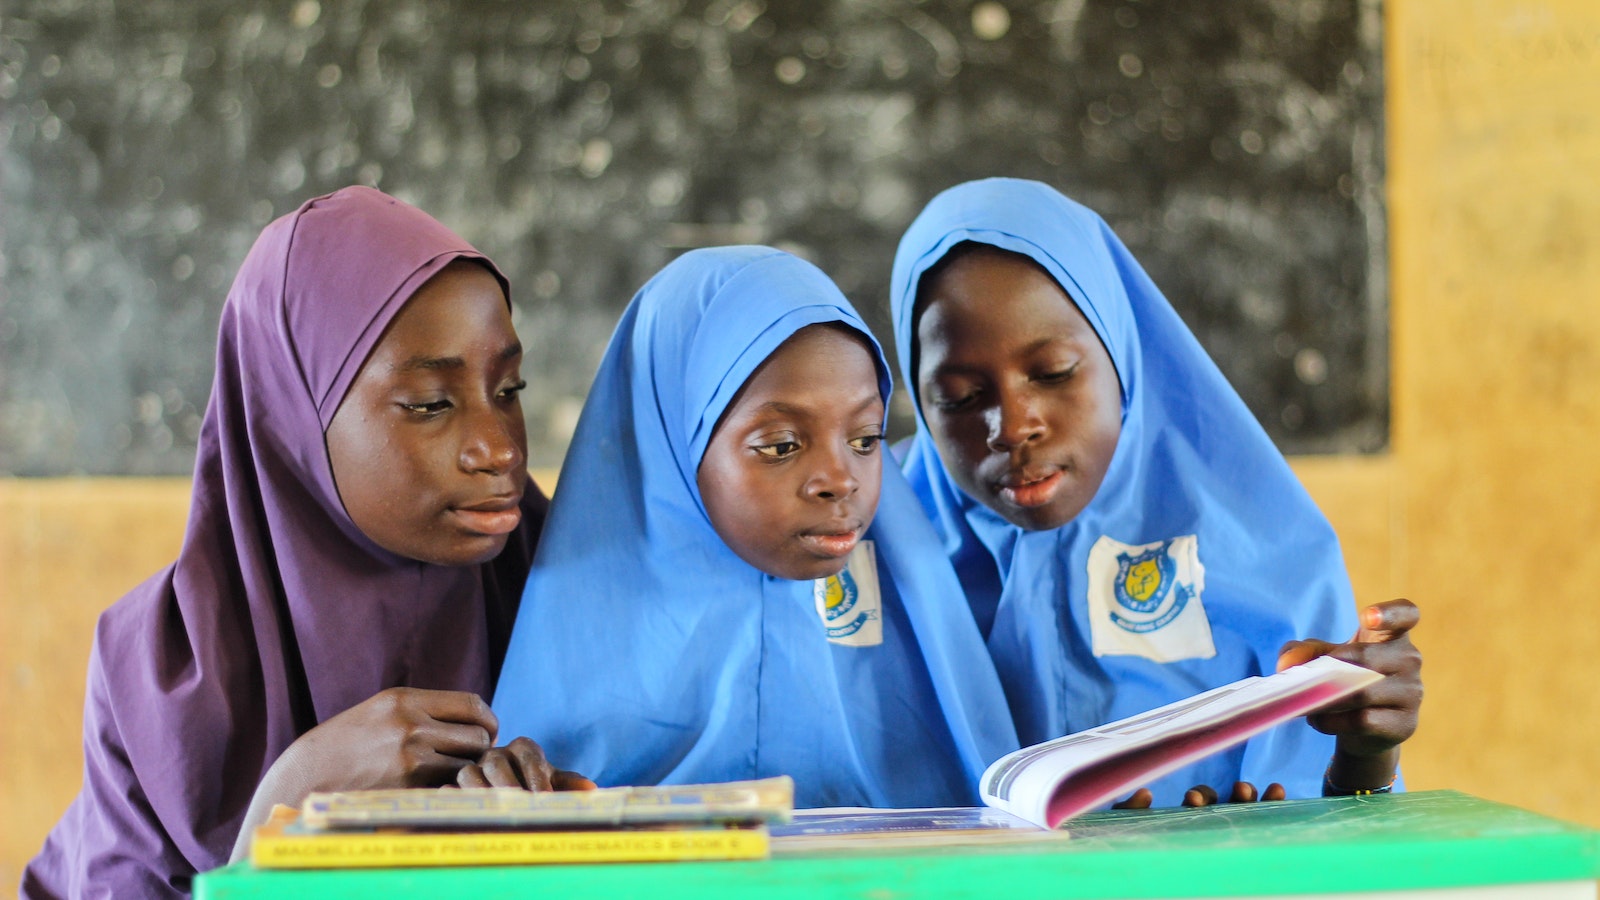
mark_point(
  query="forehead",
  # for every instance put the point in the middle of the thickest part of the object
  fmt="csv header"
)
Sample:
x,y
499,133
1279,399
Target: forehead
x,y
993,301
461,307
817,364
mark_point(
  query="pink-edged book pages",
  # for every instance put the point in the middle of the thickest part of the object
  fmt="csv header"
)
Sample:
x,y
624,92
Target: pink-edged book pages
x,y
1051,782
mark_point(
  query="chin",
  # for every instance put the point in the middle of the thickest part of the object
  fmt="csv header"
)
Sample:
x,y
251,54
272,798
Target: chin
x,y
807,571
831,567
470,553
1036,518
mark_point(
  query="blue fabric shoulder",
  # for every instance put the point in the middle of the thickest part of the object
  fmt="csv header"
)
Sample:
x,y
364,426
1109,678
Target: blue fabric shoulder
x,y
1196,494
647,652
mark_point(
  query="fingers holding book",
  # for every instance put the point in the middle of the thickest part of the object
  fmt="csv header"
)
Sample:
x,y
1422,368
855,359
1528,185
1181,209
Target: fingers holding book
x,y
1243,792
1384,715
520,764
1370,725
1206,795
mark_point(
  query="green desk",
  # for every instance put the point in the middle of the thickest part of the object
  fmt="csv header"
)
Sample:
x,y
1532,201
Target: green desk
x,y
1433,843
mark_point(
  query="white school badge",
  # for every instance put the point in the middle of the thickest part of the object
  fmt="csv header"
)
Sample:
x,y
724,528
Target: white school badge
x,y
1145,600
850,603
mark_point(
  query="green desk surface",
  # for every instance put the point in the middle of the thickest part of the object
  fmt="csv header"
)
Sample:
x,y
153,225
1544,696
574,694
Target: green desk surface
x,y
1430,839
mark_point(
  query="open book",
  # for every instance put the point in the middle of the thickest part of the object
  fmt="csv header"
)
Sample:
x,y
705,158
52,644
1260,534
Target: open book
x,y
857,828
1051,782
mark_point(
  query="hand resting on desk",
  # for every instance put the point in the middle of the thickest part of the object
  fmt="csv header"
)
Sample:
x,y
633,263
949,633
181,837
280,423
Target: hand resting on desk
x,y
1206,795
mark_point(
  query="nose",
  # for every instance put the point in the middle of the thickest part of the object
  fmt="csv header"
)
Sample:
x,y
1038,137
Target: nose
x,y
833,477
494,442
1015,420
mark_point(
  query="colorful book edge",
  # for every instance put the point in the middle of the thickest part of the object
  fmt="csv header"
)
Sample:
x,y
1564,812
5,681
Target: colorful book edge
x,y
762,800
280,844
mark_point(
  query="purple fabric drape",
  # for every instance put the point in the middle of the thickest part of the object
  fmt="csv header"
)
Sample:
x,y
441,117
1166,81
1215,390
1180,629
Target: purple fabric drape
x,y
278,613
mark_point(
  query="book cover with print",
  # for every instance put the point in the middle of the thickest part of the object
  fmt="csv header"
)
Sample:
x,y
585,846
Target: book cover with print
x,y
285,842
760,800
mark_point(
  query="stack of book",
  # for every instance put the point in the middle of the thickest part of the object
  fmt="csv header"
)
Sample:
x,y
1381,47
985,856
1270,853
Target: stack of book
x,y
506,826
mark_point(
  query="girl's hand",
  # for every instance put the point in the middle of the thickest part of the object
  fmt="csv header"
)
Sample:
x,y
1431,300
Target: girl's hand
x,y
1370,725
1205,795
1243,792
401,737
1140,799
520,764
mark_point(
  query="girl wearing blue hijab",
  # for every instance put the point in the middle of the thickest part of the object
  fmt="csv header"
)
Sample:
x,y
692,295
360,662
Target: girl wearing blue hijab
x,y
713,598
1125,531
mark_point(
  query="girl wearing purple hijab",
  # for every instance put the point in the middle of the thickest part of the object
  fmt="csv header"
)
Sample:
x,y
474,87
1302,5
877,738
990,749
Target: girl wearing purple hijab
x,y
360,528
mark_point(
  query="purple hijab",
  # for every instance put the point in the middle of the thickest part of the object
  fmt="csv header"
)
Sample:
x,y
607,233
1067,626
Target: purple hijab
x,y
279,613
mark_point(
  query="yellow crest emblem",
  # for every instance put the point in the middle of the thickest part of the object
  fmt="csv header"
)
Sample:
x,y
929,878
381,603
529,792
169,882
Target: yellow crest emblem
x,y
1142,580
833,593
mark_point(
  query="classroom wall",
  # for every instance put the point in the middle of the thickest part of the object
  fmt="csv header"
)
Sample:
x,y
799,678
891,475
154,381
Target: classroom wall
x,y
1494,129
1484,511
1233,146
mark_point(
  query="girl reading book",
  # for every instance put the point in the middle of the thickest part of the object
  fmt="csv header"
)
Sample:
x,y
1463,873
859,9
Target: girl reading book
x,y
731,583
360,528
1126,533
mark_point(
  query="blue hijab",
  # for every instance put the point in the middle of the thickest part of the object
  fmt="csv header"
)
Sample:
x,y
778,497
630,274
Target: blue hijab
x,y
647,652
1198,558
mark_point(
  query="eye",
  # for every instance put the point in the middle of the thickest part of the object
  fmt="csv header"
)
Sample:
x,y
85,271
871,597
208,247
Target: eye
x,y
1059,376
866,444
946,403
429,408
778,449
511,392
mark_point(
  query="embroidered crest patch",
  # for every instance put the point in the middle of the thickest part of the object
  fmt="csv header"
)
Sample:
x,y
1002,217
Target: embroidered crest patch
x,y
851,603
1145,600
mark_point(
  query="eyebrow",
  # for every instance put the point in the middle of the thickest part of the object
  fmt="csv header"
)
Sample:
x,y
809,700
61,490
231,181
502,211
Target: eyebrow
x,y
789,409
959,366
1042,343
440,363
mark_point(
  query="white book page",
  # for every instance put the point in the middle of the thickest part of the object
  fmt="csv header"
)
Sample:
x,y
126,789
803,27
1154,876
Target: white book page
x,y
1024,783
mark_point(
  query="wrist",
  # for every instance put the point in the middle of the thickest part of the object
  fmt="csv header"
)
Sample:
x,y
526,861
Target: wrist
x,y
1349,774
297,772
284,782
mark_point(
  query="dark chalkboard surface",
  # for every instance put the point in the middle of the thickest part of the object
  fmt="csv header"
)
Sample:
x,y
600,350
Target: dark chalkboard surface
x,y
1236,147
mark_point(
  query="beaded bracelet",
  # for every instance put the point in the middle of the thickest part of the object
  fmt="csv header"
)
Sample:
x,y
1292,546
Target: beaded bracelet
x,y
1329,789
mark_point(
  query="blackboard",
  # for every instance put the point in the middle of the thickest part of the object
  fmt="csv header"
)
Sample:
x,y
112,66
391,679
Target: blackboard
x,y
1236,147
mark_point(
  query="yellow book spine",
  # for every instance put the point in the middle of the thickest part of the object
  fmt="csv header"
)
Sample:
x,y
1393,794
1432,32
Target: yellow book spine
x,y
272,850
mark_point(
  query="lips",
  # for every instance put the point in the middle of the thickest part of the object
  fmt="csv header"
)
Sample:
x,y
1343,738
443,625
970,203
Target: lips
x,y
834,540
1029,488
496,515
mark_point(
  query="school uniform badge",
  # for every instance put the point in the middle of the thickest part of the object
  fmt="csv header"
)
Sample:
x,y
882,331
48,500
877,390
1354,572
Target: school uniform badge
x,y
851,602
1144,600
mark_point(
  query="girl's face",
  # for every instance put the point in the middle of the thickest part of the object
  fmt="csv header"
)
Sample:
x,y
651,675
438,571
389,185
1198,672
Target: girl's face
x,y
1020,395
428,448
790,478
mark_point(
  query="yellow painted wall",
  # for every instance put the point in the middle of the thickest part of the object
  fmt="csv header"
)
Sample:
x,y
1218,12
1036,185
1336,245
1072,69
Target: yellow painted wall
x,y
67,549
1486,511
1494,193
